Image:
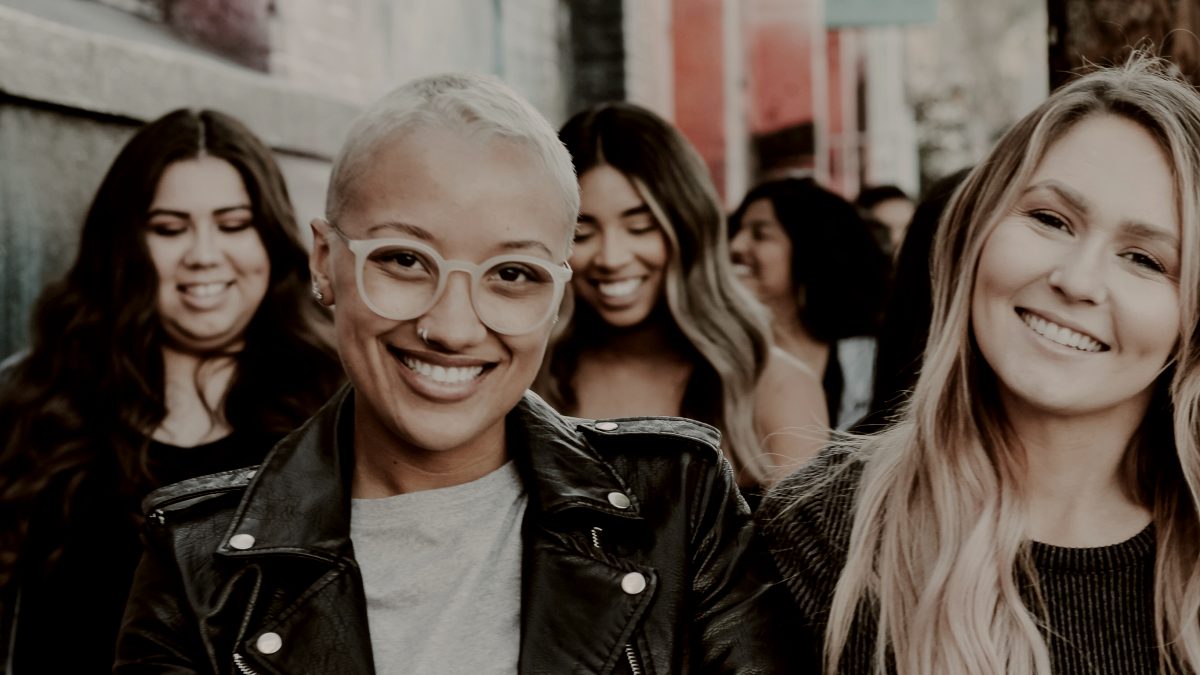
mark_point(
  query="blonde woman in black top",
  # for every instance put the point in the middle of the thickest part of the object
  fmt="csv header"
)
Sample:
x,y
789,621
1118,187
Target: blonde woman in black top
x,y
1035,509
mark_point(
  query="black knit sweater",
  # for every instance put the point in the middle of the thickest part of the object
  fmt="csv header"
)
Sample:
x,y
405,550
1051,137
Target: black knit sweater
x,y
1099,600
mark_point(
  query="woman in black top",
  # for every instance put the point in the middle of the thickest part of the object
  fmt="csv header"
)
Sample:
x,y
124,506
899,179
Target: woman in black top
x,y
182,341
809,257
1035,508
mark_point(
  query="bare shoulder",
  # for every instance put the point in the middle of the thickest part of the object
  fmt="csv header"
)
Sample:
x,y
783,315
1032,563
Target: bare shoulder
x,y
787,383
782,368
789,410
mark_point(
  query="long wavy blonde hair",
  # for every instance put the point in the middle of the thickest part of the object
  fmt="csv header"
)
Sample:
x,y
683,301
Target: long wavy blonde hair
x,y
722,328
937,545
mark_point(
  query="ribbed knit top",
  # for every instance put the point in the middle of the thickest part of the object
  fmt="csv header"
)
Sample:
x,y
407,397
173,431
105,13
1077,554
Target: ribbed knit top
x,y
1099,600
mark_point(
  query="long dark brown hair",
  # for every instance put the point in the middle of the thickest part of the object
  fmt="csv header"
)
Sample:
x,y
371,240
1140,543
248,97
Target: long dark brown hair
x,y
717,324
90,390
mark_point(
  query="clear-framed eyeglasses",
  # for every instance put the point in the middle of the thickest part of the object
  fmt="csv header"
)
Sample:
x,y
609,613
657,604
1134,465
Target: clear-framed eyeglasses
x,y
401,279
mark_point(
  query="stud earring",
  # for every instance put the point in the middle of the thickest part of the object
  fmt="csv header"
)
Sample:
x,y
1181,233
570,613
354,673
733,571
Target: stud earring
x,y
316,291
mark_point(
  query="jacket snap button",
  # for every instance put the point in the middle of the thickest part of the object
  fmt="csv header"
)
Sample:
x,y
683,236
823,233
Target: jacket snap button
x,y
269,643
633,583
619,500
242,542
606,426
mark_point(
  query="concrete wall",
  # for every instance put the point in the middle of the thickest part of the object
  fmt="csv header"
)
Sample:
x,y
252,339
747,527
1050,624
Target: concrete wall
x,y
78,76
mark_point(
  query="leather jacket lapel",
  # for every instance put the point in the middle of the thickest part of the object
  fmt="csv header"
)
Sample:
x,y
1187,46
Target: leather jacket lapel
x,y
291,534
589,633
603,595
323,631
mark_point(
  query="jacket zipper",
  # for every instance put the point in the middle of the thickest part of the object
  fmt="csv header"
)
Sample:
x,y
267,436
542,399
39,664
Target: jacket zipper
x,y
635,666
242,666
12,636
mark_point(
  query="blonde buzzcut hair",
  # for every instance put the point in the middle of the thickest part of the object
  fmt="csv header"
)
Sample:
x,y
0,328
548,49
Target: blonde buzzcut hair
x,y
468,103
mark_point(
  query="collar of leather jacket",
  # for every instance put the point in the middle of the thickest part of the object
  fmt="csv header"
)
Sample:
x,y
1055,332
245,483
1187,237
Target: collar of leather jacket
x,y
307,476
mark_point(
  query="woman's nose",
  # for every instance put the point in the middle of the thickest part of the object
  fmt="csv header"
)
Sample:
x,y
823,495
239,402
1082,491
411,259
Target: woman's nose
x,y
1080,276
452,323
204,249
614,250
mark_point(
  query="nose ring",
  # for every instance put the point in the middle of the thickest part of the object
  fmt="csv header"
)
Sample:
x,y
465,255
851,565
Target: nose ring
x,y
423,333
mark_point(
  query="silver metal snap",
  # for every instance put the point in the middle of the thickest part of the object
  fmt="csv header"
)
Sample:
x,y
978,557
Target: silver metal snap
x,y
633,583
269,643
606,426
619,500
241,541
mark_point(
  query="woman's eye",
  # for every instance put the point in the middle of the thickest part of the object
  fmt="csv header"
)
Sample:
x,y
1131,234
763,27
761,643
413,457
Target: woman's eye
x,y
642,224
1145,260
398,260
403,259
1050,220
167,229
235,225
514,274
583,234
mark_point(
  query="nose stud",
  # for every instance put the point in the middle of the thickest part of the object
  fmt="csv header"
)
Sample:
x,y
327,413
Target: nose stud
x,y
423,333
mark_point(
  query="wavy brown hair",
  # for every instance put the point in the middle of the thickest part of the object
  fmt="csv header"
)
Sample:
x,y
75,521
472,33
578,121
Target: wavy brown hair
x,y
85,398
718,325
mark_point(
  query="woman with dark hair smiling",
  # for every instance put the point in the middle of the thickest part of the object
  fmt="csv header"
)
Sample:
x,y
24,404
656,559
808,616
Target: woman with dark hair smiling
x,y
659,325
808,256
181,342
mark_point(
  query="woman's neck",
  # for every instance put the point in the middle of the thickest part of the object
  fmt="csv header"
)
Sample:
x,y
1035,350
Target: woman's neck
x,y
792,337
193,390
385,465
1075,484
654,337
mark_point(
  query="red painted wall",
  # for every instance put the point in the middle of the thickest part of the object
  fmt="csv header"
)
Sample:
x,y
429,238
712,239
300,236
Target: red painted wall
x,y
699,76
778,63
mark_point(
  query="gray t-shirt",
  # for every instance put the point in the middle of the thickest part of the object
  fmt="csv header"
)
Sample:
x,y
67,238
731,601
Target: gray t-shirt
x,y
442,574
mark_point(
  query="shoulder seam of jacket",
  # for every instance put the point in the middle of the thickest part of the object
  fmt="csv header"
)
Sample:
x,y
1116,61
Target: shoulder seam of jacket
x,y
200,486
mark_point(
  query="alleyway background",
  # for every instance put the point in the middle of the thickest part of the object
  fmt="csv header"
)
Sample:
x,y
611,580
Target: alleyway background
x,y
855,91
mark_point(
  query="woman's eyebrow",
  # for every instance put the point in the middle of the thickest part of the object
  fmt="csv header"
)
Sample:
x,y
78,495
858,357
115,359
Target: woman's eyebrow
x,y
1073,198
183,215
526,244
638,210
1134,228
1140,230
411,230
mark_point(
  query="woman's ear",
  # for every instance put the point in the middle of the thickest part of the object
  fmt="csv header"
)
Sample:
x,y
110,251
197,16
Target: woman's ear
x,y
320,266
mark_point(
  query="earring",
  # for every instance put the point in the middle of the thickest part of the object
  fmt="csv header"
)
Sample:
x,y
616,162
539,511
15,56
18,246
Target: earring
x,y
316,291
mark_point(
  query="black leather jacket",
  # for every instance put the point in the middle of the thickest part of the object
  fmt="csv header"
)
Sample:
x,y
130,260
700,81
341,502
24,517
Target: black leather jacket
x,y
647,495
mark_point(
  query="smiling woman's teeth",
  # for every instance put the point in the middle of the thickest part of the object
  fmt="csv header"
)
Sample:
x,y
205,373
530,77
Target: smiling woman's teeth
x,y
442,374
203,290
619,289
1063,336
